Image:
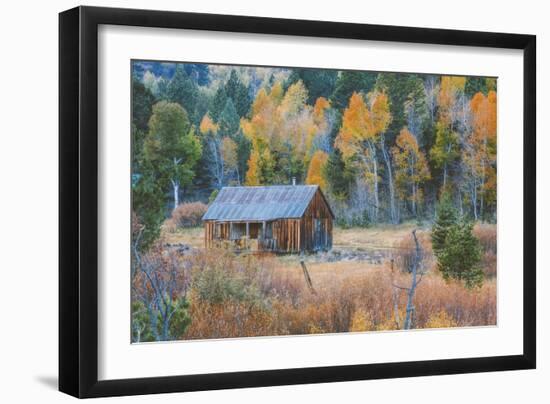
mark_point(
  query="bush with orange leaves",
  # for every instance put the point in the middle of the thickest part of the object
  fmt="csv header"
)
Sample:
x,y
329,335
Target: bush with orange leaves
x,y
487,236
404,251
188,214
243,296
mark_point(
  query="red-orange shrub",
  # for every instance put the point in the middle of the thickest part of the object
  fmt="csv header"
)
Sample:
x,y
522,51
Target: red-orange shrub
x,y
189,214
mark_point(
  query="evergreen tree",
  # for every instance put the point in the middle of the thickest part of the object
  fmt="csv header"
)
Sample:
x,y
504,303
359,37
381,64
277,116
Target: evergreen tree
x,y
401,89
337,175
475,85
148,202
162,89
228,121
347,83
142,105
446,217
183,90
218,104
461,256
198,72
243,154
238,92
318,82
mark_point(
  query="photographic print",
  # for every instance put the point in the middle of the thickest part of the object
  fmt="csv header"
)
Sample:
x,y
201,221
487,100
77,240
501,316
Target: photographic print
x,y
279,201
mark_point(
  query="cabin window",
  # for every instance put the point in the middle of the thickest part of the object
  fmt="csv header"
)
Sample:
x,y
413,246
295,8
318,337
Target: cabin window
x,y
268,230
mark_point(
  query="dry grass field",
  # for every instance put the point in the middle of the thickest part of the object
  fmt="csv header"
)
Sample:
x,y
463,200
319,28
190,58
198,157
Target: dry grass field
x,y
382,237
252,295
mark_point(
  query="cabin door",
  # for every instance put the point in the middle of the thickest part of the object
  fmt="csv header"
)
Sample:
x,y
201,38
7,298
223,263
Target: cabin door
x,y
317,235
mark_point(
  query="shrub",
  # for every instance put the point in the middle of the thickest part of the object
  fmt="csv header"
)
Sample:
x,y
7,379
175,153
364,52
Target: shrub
x,y
234,296
360,321
487,236
217,285
189,214
461,256
159,296
405,252
440,320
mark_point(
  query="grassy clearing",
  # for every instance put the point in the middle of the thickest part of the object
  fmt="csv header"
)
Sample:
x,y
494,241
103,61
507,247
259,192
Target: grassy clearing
x,y
349,296
381,237
193,236
252,295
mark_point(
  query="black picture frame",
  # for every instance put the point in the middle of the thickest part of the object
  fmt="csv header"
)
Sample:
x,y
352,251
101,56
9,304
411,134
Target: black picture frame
x,y
78,201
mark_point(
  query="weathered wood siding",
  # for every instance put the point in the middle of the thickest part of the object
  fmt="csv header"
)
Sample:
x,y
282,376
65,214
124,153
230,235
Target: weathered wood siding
x,y
316,229
287,234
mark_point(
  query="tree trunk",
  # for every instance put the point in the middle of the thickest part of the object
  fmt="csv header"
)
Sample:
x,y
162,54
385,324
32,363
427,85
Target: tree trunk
x,y
372,148
176,189
474,199
391,185
414,207
412,289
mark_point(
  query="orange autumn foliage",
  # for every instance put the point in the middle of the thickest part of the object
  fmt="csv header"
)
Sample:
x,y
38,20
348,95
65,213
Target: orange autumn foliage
x,y
207,125
411,167
315,171
483,141
282,124
361,128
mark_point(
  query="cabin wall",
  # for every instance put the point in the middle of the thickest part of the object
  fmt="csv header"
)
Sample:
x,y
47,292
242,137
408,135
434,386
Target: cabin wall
x,y
312,232
287,234
317,225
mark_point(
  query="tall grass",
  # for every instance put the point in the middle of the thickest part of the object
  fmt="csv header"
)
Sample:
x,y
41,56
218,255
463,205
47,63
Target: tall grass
x,y
241,296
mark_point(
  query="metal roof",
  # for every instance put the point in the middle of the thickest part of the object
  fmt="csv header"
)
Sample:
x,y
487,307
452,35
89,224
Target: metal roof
x,y
260,203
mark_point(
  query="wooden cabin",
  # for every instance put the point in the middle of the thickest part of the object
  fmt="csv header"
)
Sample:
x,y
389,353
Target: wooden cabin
x,y
282,218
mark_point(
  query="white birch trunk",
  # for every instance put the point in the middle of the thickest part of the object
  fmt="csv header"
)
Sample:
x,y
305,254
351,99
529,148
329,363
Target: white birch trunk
x,y
391,185
175,189
372,148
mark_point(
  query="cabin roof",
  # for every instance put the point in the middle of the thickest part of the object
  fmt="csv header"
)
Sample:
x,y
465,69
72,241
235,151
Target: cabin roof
x,y
262,203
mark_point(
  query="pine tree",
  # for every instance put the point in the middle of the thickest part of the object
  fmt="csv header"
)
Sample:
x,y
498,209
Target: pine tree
x,y
319,82
142,105
461,256
339,178
446,217
183,90
228,120
347,83
218,103
238,92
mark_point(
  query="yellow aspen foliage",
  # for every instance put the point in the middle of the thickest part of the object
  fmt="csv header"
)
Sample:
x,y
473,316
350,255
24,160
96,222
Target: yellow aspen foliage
x,y
321,105
277,92
253,173
207,125
315,170
229,154
450,87
356,127
483,141
440,320
361,130
411,167
380,112
294,99
282,128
